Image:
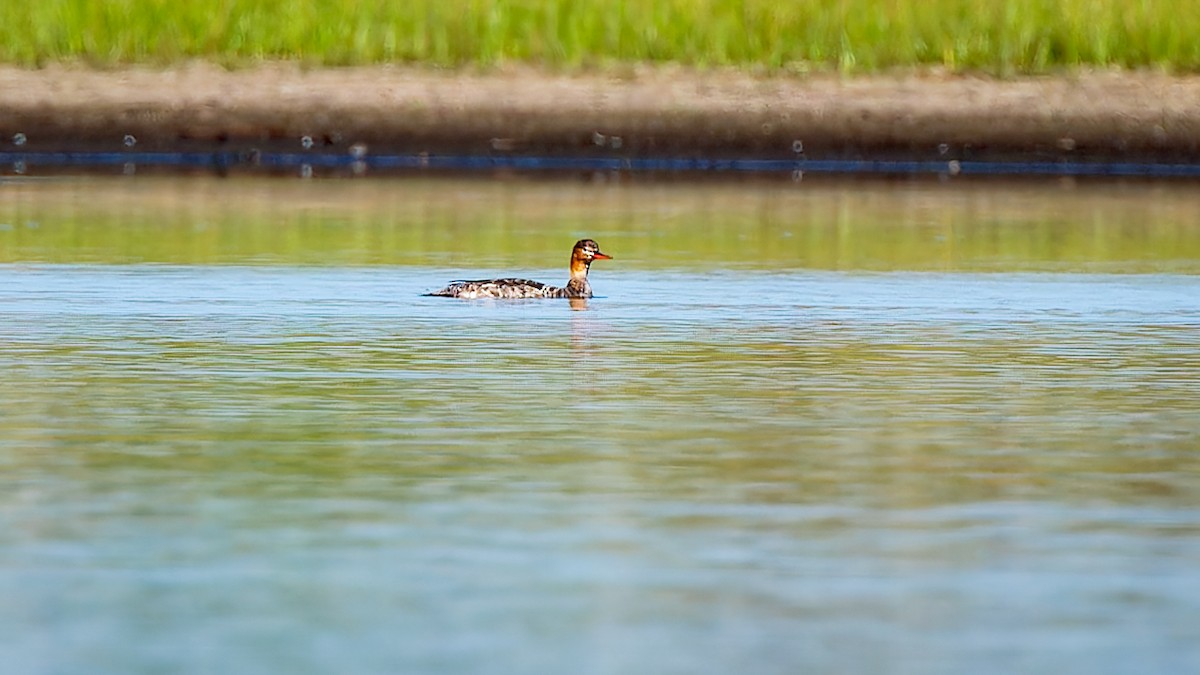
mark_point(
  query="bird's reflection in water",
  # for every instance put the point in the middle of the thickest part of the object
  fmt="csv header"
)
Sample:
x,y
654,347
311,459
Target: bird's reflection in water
x,y
582,327
586,351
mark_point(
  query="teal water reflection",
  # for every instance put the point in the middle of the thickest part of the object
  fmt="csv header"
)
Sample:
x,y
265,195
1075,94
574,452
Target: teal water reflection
x,y
772,467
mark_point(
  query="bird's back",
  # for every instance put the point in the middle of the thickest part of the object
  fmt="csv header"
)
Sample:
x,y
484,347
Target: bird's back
x,y
499,288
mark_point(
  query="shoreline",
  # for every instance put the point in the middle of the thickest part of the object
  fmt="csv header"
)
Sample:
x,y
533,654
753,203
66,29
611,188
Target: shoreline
x,y
1139,117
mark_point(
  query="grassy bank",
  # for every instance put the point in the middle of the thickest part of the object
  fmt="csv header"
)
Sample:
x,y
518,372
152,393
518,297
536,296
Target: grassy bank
x,y
1018,36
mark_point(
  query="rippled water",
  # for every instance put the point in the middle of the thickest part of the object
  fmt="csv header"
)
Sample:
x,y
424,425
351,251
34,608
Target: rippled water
x,y
952,430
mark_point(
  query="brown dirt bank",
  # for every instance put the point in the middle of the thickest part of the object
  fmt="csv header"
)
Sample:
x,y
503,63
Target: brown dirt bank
x,y
655,112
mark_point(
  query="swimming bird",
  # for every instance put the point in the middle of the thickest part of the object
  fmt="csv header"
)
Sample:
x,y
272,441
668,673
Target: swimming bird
x,y
582,255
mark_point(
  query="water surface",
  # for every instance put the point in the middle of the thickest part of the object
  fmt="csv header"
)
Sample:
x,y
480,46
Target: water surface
x,y
842,427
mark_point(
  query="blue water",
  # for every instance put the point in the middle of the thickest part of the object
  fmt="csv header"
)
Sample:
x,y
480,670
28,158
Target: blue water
x,y
303,164
307,470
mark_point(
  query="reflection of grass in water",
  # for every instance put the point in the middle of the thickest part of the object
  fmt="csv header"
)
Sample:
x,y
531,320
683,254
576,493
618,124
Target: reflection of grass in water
x,y
1020,35
902,417
915,226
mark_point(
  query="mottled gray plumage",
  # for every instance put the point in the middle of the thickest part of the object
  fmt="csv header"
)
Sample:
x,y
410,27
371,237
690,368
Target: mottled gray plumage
x,y
582,255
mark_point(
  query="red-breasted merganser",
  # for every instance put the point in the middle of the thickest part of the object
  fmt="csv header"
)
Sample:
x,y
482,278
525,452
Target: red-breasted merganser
x,y
582,255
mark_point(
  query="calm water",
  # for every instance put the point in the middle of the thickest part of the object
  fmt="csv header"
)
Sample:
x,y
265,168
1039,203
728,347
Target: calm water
x,y
841,427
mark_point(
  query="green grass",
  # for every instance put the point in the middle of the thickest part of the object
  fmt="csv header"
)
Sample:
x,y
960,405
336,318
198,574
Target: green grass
x,y
1016,36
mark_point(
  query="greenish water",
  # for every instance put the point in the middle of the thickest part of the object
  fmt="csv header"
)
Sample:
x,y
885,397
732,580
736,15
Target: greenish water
x,y
830,427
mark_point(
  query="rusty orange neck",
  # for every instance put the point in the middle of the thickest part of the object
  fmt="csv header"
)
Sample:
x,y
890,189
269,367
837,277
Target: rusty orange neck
x,y
579,267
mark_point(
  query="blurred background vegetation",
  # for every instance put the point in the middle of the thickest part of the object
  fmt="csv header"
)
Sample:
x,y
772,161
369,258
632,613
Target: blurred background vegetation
x,y
1011,37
